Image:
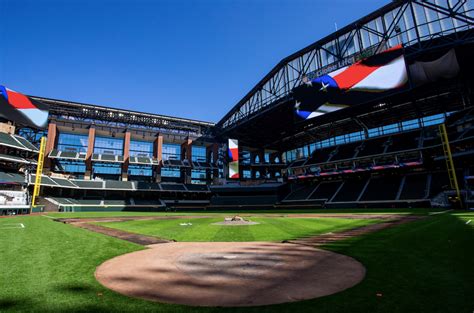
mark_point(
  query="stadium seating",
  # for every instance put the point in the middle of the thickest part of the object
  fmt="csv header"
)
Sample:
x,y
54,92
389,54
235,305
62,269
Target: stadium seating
x,y
89,184
173,187
78,205
17,142
439,182
11,198
301,192
121,185
197,187
325,190
414,187
407,141
143,160
350,190
372,147
147,186
12,178
63,182
320,155
346,151
66,155
15,159
381,189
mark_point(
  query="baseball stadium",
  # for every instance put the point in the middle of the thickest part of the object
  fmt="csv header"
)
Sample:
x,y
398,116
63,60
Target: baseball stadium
x,y
343,181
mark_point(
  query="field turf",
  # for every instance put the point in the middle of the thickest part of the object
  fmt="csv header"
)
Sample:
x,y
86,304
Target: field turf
x,y
417,211
268,229
423,266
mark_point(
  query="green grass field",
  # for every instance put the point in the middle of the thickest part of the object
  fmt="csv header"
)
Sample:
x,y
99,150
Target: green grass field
x,y
423,266
269,229
417,211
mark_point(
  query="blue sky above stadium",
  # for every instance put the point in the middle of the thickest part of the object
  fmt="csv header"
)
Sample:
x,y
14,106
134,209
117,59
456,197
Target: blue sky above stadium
x,y
193,59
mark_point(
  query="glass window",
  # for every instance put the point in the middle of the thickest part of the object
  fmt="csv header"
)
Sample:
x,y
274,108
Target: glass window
x,y
141,148
198,153
198,177
171,151
140,170
106,145
411,124
73,167
433,120
170,172
72,142
33,136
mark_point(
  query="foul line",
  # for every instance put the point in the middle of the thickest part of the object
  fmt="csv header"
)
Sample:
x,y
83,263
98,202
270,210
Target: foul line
x,y
13,226
51,217
442,212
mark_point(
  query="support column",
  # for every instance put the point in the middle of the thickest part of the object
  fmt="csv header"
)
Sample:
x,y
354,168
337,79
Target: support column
x,y
186,154
158,154
50,144
90,151
126,156
273,157
212,155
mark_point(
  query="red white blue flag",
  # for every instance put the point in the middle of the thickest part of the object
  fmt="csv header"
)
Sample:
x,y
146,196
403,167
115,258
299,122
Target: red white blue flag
x,y
233,150
20,109
361,82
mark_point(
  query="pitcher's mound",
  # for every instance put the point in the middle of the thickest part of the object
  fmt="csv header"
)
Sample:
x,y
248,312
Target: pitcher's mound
x,y
230,273
235,223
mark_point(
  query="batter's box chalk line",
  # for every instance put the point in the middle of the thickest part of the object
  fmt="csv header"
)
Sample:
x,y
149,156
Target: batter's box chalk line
x,y
12,226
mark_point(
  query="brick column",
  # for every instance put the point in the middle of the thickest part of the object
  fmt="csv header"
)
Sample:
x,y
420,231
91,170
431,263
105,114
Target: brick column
x,y
50,143
186,153
158,154
126,156
90,151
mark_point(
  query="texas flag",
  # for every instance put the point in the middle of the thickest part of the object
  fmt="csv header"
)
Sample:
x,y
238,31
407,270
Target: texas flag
x,y
233,151
361,82
21,109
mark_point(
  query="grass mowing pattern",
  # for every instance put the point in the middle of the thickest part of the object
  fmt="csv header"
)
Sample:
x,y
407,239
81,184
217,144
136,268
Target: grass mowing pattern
x,y
269,229
418,211
424,266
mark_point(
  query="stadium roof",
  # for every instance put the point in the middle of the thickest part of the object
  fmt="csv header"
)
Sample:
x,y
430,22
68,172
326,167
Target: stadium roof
x,y
420,26
92,112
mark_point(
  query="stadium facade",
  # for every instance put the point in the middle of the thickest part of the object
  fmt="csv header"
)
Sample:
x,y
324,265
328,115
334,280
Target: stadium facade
x,y
379,113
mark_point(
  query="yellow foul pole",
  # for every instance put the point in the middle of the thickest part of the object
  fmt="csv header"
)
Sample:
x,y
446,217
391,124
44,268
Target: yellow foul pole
x,y
39,172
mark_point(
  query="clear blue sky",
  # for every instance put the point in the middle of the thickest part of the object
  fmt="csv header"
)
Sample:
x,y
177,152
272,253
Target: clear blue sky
x,y
193,59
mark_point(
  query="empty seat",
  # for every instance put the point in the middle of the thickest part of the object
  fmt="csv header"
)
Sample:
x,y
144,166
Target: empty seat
x,y
301,192
25,143
197,187
117,184
68,155
326,190
9,141
372,147
414,187
148,186
350,191
404,142
173,187
382,188
108,157
88,184
320,155
346,151
63,182
439,183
